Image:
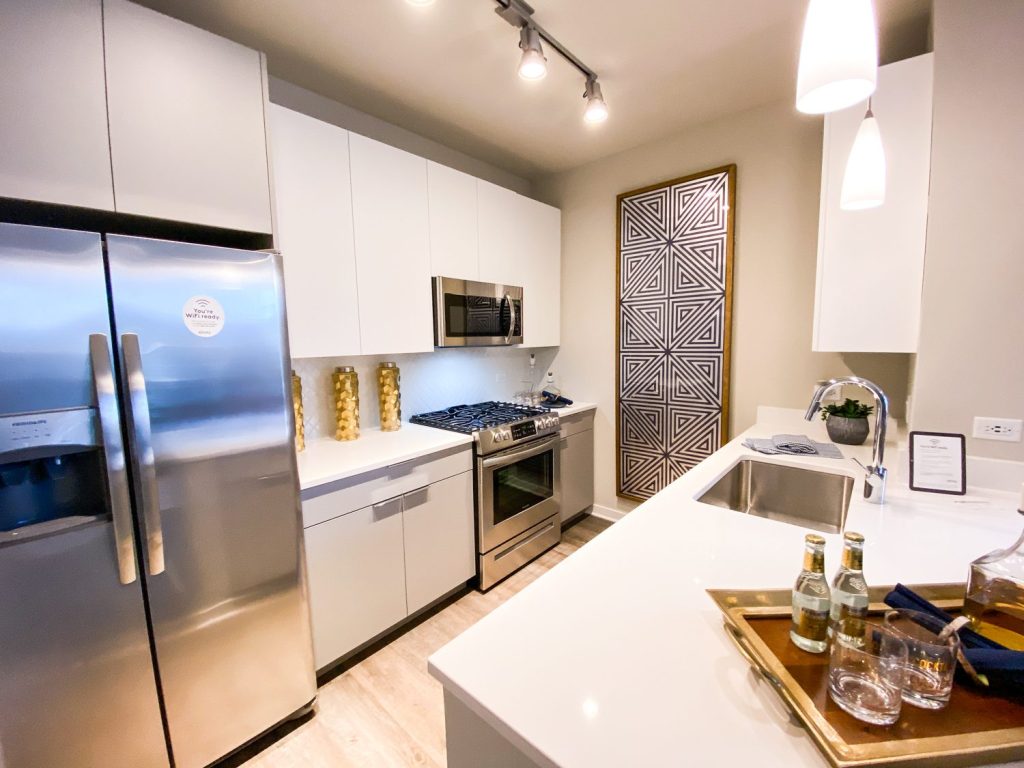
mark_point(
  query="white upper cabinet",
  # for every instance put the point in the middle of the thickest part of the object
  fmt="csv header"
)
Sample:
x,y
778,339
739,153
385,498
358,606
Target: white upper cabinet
x,y
53,135
871,262
541,234
186,114
500,234
313,192
392,244
454,248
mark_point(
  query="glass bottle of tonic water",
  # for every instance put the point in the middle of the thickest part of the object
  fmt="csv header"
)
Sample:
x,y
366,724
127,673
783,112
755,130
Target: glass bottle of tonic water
x,y
811,599
995,595
849,590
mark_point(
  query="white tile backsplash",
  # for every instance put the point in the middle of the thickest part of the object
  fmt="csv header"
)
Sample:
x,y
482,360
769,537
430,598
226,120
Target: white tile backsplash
x,y
430,380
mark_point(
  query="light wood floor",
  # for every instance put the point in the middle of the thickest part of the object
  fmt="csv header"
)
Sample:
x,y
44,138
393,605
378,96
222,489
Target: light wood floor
x,y
385,709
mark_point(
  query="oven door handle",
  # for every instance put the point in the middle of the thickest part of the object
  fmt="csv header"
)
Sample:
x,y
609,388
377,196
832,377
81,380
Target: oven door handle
x,y
504,459
511,318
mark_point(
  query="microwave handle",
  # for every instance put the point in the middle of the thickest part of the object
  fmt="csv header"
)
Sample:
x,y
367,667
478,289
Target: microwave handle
x,y
511,318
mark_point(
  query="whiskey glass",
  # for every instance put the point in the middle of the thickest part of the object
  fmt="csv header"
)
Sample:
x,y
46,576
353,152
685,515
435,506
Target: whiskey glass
x,y
931,658
866,670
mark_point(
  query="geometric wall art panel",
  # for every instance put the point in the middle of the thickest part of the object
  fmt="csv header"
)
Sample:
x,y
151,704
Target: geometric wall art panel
x,y
674,320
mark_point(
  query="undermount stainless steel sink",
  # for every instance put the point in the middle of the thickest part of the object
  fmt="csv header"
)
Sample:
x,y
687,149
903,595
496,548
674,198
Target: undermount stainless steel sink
x,y
804,497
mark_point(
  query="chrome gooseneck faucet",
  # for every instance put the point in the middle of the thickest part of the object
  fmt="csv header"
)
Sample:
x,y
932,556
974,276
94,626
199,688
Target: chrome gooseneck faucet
x,y
874,481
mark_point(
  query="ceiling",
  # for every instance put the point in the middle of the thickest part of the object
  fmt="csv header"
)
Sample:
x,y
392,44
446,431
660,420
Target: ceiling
x,y
448,71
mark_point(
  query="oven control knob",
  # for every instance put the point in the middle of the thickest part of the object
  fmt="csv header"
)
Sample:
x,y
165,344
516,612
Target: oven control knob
x,y
496,435
506,434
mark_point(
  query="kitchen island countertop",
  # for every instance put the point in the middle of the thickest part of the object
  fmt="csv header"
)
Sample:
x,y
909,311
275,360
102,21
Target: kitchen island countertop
x,y
617,656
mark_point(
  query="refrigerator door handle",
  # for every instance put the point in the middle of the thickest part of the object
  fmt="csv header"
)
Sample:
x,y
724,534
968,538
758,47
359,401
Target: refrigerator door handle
x,y
138,409
113,455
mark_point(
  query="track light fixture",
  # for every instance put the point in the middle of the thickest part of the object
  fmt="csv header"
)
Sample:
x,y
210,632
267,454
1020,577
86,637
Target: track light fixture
x,y
597,110
533,64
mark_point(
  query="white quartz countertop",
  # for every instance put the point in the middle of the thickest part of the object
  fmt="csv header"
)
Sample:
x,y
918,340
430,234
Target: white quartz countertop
x,y
617,656
326,460
575,408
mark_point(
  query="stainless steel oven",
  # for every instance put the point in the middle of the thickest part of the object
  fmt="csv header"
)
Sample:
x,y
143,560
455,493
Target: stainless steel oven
x,y
473,314
518,493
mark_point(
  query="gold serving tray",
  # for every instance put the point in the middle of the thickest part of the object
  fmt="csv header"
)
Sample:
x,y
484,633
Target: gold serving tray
x,y
976,728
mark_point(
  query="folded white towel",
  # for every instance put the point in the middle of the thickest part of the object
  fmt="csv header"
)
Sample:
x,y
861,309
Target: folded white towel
x,y
793,445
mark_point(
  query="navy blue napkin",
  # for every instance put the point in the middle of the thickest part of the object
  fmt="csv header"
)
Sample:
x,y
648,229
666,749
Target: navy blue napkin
x,y
1003,667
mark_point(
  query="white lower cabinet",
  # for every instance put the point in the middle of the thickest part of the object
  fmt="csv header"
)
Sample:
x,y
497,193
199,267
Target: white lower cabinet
x,y
371,568
576,465
439,543
356,572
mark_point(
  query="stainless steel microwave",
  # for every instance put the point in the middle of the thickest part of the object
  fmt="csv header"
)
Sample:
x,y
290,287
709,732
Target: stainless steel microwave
x,y
472,314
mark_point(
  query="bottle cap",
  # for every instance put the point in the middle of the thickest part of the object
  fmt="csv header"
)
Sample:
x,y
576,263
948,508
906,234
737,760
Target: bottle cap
x,y
853,536
388,365
344,369
813,538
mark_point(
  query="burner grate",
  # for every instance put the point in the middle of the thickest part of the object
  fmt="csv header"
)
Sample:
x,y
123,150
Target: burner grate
x,y
471,418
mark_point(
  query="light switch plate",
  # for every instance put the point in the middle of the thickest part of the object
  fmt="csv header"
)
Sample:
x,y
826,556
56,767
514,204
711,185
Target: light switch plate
x,y
993,428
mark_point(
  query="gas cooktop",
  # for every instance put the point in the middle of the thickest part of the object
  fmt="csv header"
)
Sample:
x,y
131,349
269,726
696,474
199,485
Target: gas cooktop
x,y
493,424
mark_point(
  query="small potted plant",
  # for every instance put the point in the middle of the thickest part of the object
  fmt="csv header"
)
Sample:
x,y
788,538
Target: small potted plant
x,y
847,423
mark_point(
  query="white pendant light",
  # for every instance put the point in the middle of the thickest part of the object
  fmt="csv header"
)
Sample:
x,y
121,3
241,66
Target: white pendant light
x,y
597,110
864,179
838,55
533,65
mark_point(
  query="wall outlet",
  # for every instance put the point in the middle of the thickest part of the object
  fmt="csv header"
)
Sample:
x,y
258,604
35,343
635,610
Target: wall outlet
x,y
990,428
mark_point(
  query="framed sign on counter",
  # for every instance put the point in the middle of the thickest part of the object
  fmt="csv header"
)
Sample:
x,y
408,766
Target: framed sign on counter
x,y
938,462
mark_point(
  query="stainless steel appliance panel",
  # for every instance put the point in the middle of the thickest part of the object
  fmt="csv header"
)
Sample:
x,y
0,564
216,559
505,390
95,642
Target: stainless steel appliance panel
x,y
533,491
203,352
473,314
53,294
502,561
76,674
78,686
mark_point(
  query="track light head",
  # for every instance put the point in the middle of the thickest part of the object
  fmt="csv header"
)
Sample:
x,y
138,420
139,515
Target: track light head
x,y
597,110
533,65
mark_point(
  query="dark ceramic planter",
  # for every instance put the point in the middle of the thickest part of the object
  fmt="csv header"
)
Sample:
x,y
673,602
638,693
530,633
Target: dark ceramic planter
x,y
847,431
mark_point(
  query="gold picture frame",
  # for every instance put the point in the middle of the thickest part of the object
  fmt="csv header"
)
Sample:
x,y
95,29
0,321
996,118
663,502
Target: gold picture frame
x,y
727,173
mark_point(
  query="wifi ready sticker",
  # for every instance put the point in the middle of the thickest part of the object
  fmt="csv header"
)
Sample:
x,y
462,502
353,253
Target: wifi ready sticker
x,y
203,316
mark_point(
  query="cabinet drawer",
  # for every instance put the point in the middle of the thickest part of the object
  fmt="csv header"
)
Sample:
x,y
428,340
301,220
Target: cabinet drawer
x,y
330,500
577,422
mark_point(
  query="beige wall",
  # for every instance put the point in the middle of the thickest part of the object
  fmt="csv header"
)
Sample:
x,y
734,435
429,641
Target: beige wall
x,y
777,152
971,354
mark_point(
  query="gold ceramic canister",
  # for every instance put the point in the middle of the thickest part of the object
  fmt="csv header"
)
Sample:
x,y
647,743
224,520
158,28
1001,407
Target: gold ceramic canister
x,y
346,402
300,427
390,397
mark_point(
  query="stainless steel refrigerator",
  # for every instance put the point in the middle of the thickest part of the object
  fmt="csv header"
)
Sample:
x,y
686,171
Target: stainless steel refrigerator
x,y
152,581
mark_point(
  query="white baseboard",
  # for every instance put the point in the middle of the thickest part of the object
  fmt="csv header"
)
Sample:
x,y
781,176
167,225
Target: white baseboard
x,y
607,513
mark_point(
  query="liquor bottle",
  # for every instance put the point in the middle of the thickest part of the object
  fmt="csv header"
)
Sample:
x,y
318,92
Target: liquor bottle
x,y
849,590
811,599
995,594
